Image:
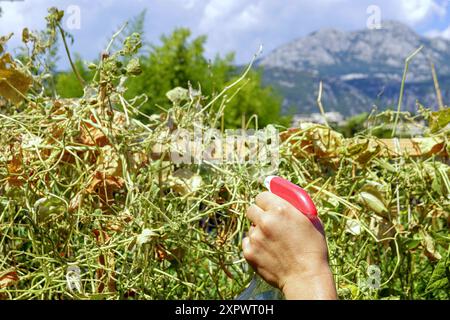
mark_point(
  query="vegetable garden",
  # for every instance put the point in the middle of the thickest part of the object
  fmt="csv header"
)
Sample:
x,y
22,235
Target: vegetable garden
x,y
88,188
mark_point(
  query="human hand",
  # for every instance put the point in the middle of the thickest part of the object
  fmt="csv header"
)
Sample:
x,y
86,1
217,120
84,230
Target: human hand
x,y
288,250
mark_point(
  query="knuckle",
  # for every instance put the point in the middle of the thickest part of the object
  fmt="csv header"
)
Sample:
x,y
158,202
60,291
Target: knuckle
x,y
251,230
266,227
256,238
264,223
262,196
252,209
249,210
280,208
266,194
248,254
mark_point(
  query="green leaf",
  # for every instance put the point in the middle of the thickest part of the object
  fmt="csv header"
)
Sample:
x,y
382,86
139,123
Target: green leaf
x,y
134,67
178,95
439,119
412,243
440,277
373,196
131,45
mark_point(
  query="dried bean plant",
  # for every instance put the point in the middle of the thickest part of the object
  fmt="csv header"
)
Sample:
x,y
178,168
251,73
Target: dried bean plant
x,y
88,192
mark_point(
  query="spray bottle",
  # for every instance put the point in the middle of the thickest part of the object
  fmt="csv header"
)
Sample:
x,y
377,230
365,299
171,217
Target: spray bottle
x,y
258,289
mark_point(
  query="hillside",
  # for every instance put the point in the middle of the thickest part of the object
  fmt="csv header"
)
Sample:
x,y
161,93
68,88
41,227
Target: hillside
x,y
358,68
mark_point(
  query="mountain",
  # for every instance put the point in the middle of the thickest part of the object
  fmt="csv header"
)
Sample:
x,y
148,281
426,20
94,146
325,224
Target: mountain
x,y
359,69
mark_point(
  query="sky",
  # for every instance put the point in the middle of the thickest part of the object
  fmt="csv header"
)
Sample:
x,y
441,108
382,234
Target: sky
x,y
241,26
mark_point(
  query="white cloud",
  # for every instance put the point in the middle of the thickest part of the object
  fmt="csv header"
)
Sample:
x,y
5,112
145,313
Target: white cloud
x,y
231,25
415,11
250,17
243,25
96,26
189,4
16,15
215,12
439,33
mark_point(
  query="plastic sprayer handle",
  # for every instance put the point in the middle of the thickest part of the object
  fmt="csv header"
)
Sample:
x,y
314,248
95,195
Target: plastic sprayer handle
x,y
292,193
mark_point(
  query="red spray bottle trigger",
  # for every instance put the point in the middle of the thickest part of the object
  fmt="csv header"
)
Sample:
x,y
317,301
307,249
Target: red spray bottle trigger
x,y
292,193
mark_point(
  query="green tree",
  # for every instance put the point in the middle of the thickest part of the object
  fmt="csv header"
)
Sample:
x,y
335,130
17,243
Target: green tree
x,y
254,99
180,61
67,84
177,62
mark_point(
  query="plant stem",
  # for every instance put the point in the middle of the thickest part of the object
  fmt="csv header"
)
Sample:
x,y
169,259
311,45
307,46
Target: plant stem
x,y
80,79
319,103
402,87
436,87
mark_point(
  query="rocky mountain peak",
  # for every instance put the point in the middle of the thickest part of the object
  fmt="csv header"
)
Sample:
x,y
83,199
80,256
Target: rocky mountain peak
x,y
335,52
358,68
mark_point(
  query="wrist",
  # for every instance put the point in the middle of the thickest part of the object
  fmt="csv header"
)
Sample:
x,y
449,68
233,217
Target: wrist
x,y
317,285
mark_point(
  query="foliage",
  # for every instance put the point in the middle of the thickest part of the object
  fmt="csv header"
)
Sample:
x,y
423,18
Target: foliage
x,y
134,25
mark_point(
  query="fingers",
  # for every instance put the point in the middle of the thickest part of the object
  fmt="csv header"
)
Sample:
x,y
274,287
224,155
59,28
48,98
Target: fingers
x,y
255,213
267,201
251,230
270,202
250,252
247,250
246,244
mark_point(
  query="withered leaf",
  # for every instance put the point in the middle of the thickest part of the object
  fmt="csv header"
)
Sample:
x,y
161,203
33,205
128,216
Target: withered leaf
x,y
101,236
133,67
8,278
76,202
92,136
108,162
315,139
184,181
363,150
429,145
3,41
16,170
25,35
105,186
428,244
13,82
145,236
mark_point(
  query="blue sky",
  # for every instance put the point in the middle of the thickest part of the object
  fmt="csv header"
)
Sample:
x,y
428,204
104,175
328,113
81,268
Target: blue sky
x,y
231,25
